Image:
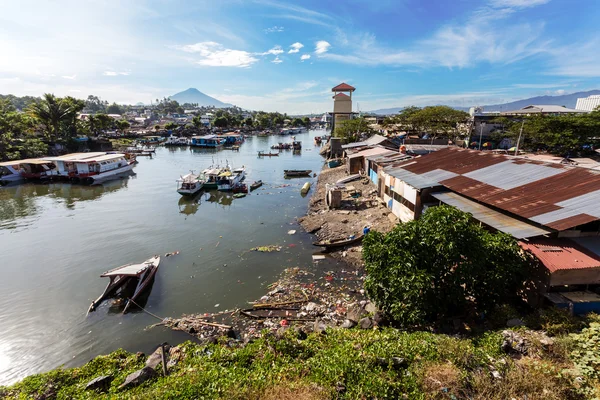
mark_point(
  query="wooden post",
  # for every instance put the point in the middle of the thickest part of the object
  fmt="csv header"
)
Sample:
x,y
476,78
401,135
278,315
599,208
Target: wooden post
x,y
164,359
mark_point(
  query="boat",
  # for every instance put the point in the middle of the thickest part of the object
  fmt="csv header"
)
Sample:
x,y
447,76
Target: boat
x,y
119,277
239,195
305,188
101,168
37,169
240,188
296,172
282,146
318,140
176,141
263,154
190,184
209,141
10,173
338,242
297,145
211,177
228,179
255,185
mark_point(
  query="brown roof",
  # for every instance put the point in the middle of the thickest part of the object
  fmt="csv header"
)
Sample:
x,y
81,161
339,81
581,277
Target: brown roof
x,y
555,195
341,95
561,254
343,87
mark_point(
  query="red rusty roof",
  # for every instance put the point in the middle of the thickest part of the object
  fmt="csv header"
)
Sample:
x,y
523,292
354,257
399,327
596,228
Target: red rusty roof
x,y
555,195
561,254
343,87
341,96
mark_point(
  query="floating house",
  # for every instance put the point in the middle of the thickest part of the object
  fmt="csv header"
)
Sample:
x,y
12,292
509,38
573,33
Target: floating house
x,y
209,141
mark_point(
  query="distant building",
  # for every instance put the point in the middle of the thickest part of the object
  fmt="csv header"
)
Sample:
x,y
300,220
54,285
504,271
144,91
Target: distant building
x,y
588,103
543,109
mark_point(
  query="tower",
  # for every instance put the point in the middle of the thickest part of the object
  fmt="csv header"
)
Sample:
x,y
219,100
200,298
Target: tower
x,y
342,104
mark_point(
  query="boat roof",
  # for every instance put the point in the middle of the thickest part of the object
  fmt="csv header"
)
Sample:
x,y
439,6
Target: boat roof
x,y
36,161
9,163
132,269
214,171
75,156
104,157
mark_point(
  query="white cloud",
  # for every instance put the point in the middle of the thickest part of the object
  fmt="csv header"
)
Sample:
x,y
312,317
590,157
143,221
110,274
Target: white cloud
x,y
277,60
275,51
295,48
580,61
305,57
274,29
70,77
517,3
215,55
321,47
115,73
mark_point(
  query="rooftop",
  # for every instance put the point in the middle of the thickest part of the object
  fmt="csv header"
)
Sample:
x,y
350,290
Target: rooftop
x,y
554,195
561,254
343,87
544,109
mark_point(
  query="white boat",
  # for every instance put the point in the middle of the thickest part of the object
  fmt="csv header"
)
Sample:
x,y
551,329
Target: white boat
x,y
176,141
190,184
102,168
10,173
228,179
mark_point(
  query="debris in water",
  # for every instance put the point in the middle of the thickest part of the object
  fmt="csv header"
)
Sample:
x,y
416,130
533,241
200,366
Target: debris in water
x,y
266,249
291,232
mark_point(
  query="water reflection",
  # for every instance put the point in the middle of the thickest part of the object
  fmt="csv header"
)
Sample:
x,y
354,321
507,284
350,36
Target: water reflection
x,y
23,201
191,205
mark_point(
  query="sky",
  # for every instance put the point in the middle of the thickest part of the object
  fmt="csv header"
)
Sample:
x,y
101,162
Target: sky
x,y
286,56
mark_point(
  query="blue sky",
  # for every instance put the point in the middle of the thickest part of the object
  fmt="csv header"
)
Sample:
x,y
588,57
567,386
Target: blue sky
x,y
284,56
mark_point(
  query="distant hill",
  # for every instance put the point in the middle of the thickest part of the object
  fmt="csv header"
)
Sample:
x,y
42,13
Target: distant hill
x,y
567,100
193,95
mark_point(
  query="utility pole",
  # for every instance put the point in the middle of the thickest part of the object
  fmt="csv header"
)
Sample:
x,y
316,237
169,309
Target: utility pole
x,y
519,139
481,124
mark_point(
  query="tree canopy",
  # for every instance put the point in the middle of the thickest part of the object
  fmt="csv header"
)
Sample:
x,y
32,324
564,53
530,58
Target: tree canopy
x,y
436,121
352,129
440,266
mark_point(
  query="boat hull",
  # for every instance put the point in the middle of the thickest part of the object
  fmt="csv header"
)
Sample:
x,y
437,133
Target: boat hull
x,y
108,175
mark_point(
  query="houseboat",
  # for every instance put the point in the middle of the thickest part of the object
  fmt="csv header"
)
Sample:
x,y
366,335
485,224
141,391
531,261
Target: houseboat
x,y
176,141
209,141
10,173
36,168
190,184
65,165
229,179
98,169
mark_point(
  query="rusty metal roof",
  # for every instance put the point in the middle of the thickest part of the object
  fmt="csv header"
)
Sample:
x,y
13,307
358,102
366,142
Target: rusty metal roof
x,y
561,254
493,218
554,195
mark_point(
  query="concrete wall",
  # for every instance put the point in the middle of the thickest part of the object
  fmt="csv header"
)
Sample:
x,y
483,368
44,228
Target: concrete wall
x,y
343,105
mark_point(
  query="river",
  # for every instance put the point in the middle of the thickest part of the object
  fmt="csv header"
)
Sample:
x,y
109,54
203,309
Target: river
x,y
57,238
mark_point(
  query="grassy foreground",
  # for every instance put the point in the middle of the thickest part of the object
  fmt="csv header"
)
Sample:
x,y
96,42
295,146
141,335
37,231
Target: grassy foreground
x,y
346,364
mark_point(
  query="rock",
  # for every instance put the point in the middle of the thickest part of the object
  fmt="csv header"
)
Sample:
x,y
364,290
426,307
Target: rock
x,y
231,334
138,377
101,383
511,323
319,327
155,358
348,324
354,313
399,362
175,355
379,319
371,308
365,323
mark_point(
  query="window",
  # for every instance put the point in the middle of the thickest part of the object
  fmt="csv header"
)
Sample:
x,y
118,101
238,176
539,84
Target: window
x,y
403,201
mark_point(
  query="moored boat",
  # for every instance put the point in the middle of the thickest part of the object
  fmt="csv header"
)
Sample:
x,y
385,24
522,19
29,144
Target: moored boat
x,y
10,173
256,185
190,184
338,242
263,154
143,273
296,172
99,169
228,179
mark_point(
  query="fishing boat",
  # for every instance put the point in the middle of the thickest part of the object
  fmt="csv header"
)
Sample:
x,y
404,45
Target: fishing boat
x,y
190,184
9,173
240,188
211,177
263,154
208,141
328,244
120,277
176,141
228,179
318,140
297,145
282,146
255,185
296,172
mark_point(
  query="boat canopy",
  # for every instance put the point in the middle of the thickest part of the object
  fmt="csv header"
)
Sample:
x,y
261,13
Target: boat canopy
x,y
226,173
105,157
127,270
75,156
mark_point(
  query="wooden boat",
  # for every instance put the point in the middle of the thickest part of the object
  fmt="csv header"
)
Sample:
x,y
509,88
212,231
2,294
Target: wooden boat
x,y
190,184
239,195
143,273
240,188
338,242
256,185
263,154
296,172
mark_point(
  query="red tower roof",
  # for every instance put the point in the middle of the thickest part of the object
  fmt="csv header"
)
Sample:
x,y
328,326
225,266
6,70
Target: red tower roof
x,y
343,87
341,96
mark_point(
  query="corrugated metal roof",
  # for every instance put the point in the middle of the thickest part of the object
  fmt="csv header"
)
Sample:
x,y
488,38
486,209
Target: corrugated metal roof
x,y
561,254
555,195
414,180
369,152
493,218
104,157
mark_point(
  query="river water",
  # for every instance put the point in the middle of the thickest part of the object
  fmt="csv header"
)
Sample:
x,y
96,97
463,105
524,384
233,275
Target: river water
x,y
56,239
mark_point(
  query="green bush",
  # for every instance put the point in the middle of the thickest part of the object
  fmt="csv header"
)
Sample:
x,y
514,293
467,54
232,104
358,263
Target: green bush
x,y
440,266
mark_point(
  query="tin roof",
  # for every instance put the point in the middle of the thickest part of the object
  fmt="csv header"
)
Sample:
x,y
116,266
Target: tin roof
x,y
555,195
372,141
75,156
104,157
561,254
493,218
370,152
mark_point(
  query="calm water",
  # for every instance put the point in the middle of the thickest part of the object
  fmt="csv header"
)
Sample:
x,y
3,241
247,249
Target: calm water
x,y
56,239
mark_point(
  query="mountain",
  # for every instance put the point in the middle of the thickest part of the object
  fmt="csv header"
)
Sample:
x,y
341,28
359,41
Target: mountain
x,y
567,100
193,95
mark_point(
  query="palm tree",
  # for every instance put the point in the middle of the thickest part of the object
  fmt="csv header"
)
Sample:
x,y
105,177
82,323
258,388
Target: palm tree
x,y
51,112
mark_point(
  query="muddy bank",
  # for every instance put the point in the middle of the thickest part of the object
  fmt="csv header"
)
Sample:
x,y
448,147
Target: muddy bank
x,y
350,218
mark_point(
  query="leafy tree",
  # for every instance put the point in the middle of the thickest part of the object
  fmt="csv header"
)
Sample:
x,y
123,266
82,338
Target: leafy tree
x,y
123,125
248,122
220,122
197,121
13,126
95,104
297,122
441,266
277,120
179,110
52,112
353,128
170,126
306,122
114,108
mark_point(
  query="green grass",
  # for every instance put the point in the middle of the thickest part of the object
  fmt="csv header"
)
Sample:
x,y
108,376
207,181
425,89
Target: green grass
x,y
345,364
